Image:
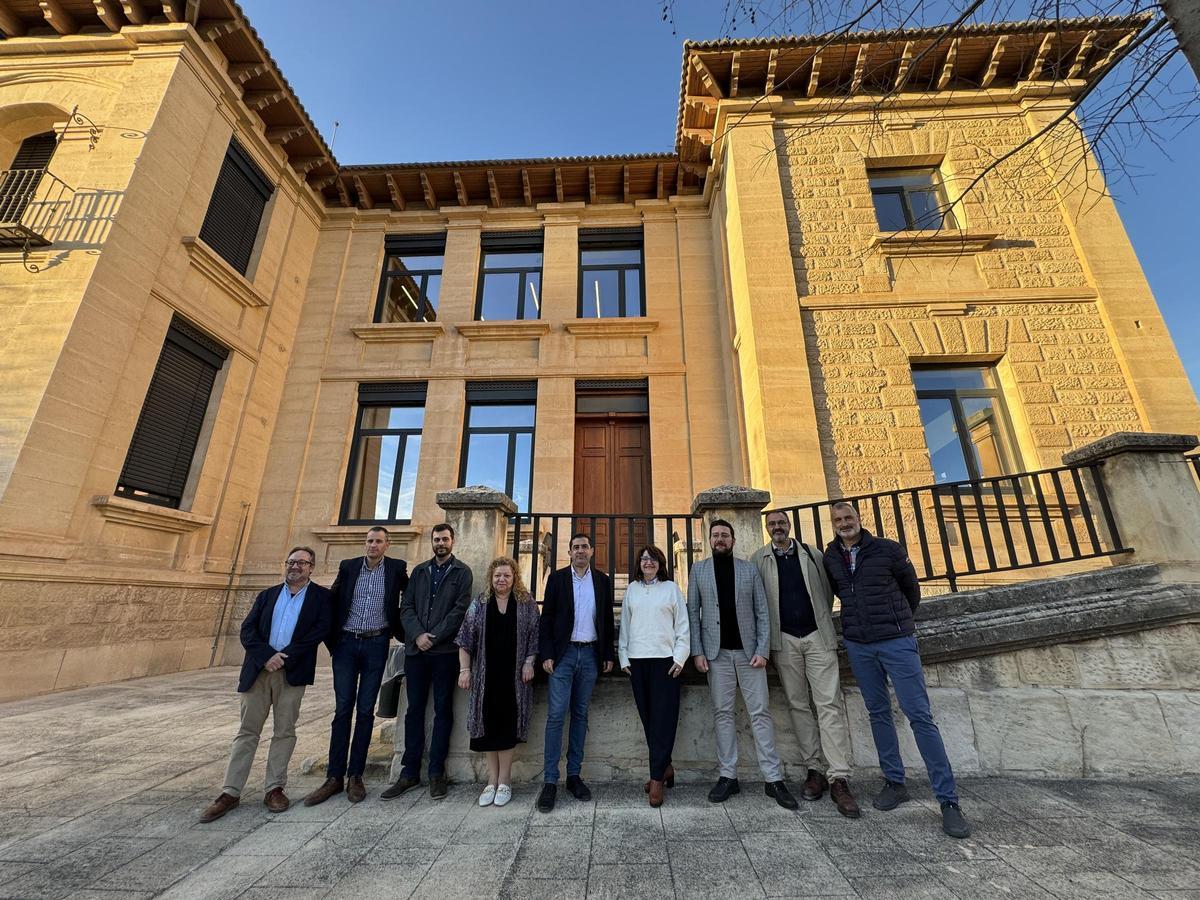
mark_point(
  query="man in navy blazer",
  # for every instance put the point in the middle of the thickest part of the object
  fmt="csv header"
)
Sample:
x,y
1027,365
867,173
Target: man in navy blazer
x,y
281,635
576,643
366,613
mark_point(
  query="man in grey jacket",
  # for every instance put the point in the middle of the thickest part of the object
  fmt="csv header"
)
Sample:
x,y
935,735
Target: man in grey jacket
x,y
804,652
727,609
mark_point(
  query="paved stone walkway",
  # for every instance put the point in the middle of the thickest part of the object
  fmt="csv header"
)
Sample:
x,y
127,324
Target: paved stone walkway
x,y
100,789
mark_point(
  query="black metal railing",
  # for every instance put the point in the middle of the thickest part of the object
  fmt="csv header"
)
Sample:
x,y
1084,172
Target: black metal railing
x,y
540,543
32,204
970,528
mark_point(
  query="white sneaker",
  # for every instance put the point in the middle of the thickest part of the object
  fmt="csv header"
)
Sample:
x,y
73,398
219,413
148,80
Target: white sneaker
x,y
488,796
503,795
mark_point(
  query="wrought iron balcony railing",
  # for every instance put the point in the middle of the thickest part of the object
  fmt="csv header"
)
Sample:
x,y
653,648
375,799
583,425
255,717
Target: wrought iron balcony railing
x,y
32,205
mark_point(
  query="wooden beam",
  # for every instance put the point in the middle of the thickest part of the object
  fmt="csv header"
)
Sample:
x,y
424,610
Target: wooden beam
x,y
109,12
947,73
260,100
1081,55
703,135
174,10
217,28
625,184
903,68
306,164
993,66
591,184
398,200
707,104
322,183
558,188
678,179
60,20
526,190
10,22
493,188
343,194
1039,61
460,190
814,77
430,196
772,61
659,187
364,196
135,12
1112,54
706,77
734,69
243,72
860,68
281,134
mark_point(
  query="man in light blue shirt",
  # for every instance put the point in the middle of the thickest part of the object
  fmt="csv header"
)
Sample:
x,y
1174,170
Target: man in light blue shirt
x,y
287,611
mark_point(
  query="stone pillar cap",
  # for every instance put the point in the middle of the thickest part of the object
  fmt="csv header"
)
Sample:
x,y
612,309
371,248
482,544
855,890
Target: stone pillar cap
x,y
730,496
476,496
1130,442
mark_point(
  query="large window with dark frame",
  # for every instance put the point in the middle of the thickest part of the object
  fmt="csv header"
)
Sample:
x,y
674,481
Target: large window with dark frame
x,y
382,474
910,200
164,441
611,273
412,278
235,211
510,276
498,438
966,423
19,182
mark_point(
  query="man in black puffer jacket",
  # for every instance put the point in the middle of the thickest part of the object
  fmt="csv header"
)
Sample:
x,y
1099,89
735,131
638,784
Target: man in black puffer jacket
x,y
878,587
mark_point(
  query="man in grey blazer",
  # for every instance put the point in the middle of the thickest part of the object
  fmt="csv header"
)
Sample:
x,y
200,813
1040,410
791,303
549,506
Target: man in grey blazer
x,y
804,653
727,609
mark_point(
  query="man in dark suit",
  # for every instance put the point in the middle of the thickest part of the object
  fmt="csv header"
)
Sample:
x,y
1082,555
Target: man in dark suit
x,y
366,613
576,642
432,610
281,635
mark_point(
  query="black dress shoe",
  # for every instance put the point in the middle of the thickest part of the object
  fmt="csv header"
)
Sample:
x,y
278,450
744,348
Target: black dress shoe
x,y
438,787
782,795
546,797
403,783
954,823
891,796
724,789
578,789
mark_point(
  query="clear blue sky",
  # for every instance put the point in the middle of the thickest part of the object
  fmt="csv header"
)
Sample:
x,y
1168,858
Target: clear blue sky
x,y
481,79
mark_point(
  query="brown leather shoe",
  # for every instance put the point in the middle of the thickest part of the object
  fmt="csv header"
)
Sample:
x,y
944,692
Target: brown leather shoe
x,y
356,791
814,787
324,792
656,793
839,793
668,779
276,801
219,807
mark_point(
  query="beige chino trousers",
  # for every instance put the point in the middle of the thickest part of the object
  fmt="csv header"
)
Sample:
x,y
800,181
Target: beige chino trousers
x,y
270,693
806,669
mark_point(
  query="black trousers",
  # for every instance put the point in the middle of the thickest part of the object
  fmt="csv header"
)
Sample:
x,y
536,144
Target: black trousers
x,y
656,694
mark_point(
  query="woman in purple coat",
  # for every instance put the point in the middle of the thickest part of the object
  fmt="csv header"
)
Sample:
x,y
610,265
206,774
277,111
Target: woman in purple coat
x,y
497,644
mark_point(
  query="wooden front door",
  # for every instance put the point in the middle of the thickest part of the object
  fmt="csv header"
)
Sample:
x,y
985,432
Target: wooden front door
x,y
612,477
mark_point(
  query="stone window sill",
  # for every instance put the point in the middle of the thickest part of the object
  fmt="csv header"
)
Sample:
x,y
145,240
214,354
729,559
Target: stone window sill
x,y
350,535
205,261
504,331
399,332
147,515
614,327
932,243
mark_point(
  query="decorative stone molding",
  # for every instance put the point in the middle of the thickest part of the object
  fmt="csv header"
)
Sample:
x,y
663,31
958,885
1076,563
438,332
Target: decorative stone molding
x,y
932,243
1130,442
476,496
346,535
399,332
730,496
615,327
147,515
739,505
519,330
211,266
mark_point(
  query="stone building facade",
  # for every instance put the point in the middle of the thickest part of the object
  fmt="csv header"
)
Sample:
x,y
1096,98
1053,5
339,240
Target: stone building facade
x,y
732,311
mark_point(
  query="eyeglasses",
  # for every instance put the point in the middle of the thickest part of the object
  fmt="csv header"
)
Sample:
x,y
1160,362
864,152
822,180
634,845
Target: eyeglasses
x,y
296,563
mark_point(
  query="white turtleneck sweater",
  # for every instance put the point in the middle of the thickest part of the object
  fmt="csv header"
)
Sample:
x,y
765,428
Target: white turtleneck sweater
x,y
654,623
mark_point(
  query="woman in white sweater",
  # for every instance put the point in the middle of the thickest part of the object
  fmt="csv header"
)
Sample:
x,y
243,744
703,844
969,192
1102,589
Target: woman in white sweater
x,y
653,646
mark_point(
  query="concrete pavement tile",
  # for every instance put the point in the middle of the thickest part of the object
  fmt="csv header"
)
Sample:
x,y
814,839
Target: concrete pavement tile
x,y
1163,881
901,887
287,893
617,794
467,872
717,869
872,862
493,824
628,835
322,862
1090,886
222,878
925,841
785,863
985,879
568,815
1038,861
763,814
841,836
691,823
544,889
95,894
77,870
168,862
375,882
12,870
1128,857
275,838
1182,841
561,853
635,882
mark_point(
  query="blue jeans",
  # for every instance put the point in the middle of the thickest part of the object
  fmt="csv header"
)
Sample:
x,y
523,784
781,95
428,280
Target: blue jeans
x,y
570,686
898,660
424,672
358,665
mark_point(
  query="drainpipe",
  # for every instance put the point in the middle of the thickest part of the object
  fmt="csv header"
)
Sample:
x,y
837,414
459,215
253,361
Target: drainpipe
x,y
237,552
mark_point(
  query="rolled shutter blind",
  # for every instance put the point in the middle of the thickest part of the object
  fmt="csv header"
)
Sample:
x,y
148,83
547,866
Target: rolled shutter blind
x,y
236,208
